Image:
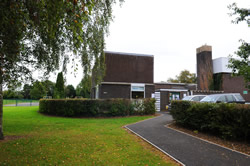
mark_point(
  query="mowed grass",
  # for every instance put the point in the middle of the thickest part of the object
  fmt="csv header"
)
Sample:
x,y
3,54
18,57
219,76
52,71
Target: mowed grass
x,y
35,139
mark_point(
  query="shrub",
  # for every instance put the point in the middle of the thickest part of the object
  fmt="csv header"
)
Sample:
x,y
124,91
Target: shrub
x,y
225,120
97,108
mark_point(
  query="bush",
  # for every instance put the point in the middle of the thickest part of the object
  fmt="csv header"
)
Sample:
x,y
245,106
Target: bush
x,y
97,108
225,120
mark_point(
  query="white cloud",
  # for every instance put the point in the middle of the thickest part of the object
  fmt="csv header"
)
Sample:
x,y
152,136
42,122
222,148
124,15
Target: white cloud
x,y
172,30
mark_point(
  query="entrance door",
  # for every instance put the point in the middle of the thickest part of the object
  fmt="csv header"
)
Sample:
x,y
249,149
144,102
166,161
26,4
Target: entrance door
x,y
174,96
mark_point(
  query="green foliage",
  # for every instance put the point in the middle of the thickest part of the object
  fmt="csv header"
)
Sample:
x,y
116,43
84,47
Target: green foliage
x,y
70,91
26,91
184,77
225,120
35,35
84,87
241,65
12,94
217,81
96,108
49,86
59,87
38,91
241,13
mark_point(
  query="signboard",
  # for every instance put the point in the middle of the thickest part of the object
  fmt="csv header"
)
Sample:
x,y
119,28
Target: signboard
x,y
137,88
245,92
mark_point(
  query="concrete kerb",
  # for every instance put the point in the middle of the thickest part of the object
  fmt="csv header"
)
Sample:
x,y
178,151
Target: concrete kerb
x,y
151,142
167,126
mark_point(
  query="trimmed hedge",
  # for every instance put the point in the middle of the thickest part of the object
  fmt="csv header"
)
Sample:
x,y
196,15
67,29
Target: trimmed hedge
x,y
96,108
230,121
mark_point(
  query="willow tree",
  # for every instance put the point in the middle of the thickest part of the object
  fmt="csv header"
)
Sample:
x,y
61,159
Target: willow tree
x,y
41,34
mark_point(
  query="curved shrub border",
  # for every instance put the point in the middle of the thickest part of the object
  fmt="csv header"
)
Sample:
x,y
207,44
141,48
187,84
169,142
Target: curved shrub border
x,y
96,108
224,120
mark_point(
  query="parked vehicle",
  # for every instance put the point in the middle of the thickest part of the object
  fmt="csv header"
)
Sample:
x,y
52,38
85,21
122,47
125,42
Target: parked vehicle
x,y
194,98
224,98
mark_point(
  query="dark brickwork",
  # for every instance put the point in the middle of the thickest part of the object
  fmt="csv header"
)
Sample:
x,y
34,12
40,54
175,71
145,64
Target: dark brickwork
x,y
114,91
204,67
232,84
149,89
129,68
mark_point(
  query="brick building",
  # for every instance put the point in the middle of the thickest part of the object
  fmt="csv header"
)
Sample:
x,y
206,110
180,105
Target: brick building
x,y
129,76
222,79
166,92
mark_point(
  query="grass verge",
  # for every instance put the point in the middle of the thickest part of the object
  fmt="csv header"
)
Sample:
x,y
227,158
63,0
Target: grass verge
x,y
35,139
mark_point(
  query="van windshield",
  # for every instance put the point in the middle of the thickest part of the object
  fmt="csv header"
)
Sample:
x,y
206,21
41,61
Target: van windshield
x,y
239,97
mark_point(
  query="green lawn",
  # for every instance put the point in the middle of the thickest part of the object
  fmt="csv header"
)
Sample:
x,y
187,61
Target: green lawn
x,y
70,141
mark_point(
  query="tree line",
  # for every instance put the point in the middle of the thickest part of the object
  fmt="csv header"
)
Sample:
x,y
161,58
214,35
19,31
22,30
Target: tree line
x,y
39,89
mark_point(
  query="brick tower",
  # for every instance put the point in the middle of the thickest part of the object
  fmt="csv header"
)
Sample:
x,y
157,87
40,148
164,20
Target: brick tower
x,y
204,67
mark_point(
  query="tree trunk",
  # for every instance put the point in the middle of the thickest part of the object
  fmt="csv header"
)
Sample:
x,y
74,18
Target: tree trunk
x,y
1,108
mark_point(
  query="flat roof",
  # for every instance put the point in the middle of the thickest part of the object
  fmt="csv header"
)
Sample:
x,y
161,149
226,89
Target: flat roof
x,y
172,90
126,83
131,54
170,83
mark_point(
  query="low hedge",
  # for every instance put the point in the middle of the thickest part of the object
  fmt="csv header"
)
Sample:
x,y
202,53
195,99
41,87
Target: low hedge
x,y
96,108
225,120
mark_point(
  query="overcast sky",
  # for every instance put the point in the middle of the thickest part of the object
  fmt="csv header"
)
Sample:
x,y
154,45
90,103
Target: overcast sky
x,y
172,30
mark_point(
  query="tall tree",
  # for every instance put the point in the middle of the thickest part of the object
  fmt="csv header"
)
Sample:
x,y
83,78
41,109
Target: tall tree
x,y
38,90
59,87
184,77
36,34
70,91
49,86
26,91
241,65
84,87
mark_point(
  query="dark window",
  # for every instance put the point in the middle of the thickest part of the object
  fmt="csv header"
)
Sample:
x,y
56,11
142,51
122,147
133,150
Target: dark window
x,y
137,95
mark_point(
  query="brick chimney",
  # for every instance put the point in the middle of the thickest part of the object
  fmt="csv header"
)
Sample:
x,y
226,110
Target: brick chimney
x,y
204,67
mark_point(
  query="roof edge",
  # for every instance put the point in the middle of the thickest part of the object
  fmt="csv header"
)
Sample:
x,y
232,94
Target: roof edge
x,y
130,54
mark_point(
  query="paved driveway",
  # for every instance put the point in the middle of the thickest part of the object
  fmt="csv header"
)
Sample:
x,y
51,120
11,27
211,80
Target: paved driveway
x,y
186,149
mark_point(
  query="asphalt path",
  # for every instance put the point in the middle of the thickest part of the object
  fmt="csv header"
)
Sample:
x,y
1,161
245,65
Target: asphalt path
x,y
22,104
188,150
